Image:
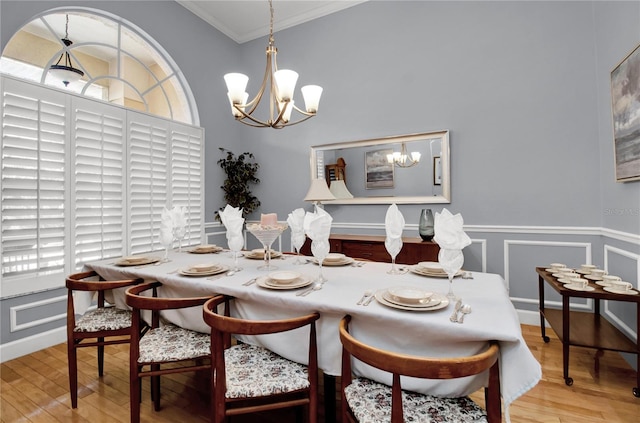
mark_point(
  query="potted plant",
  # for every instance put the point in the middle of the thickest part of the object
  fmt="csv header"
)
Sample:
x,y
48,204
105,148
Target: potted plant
x,y
241,171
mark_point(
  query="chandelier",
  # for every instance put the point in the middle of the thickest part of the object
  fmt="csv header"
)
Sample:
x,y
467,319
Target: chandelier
x,y
402,158
281,85
66,72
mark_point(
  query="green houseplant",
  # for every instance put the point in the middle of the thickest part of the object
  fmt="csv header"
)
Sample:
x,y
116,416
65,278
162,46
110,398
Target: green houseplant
x,y
241,172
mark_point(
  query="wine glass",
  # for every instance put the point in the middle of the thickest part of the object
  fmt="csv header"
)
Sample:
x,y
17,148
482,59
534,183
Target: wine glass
x,y
180,232
298,239
320,250
451,262
393,246
166,239
235,245
266,237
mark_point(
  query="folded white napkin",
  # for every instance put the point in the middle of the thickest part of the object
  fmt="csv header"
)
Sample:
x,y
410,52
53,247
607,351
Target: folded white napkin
x,y
232,219
179,217
317,225
393,225
295,220
448,231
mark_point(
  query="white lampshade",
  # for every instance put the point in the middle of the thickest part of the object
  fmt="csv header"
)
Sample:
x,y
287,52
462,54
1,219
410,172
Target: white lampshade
x,y
289,108
319,191
235,111
236,85
311,95
286,83
339,189
65,74
415,156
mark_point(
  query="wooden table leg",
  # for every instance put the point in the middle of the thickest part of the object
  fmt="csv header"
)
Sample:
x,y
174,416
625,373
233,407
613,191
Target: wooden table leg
x,y
329,398
566,312
545,338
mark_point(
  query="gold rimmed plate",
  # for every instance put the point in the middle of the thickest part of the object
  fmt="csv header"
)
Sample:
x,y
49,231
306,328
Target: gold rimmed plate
x,y
213,271
443,302
260,256
342,262
423,272
205,249
138,261
266,282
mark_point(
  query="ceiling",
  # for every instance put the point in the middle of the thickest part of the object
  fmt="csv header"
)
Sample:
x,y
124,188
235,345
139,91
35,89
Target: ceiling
x,y
246,20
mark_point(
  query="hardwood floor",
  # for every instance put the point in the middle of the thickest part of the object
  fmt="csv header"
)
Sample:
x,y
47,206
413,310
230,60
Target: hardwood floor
x,y
34,388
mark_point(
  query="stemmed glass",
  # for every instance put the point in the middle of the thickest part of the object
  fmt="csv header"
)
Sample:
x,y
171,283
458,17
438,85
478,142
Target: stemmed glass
x,y
180,232
266,237
451,262
320,250
393,246
166,239
298,239
235,245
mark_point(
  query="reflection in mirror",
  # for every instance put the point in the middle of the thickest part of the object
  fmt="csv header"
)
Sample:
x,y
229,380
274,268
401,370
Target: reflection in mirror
x,y
371,176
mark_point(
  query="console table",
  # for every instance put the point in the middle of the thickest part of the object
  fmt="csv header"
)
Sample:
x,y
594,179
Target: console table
x,y
371,247
586,329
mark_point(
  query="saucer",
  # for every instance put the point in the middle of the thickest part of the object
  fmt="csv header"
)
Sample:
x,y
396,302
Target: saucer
x,y
579,287
594,277
616,291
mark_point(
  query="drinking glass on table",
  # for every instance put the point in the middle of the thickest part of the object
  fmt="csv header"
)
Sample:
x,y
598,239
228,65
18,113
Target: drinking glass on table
x,y
297,239
166,239
393,246
320,250
451,262
235,245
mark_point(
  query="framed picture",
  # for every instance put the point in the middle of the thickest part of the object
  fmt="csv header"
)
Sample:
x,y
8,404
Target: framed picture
x,y
437,171
625,98
378,172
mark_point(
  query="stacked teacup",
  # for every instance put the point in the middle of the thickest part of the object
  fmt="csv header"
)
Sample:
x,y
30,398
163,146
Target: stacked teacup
x,y
616,285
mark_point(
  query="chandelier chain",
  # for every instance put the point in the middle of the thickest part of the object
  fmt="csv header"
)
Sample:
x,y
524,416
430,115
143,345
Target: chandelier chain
x,y
66,28
271,40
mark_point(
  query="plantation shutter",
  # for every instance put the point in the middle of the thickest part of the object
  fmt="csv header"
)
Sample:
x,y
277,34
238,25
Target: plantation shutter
x,y
148,179
33,180
187,178
98,185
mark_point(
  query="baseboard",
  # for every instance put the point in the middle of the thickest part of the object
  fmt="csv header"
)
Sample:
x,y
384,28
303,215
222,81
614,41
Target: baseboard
x,y
33,343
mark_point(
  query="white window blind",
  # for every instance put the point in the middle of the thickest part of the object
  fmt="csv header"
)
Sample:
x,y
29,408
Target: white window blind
x,y
33,180
98,181
84,180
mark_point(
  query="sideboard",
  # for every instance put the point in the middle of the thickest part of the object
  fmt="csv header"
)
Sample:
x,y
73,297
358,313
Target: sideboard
x,y
371,247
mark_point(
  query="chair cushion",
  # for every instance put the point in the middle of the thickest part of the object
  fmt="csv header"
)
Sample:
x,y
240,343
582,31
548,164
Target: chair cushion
x,y
103,318
255,371
172,343
371,403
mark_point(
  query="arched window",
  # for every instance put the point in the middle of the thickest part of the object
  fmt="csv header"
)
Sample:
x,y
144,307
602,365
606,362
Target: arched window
x,y
121,64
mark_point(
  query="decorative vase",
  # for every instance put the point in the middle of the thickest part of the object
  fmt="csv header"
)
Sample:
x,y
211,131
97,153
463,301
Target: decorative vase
x,y
425,226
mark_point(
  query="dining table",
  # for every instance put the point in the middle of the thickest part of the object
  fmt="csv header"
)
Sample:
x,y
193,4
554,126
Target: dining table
x,y
419,331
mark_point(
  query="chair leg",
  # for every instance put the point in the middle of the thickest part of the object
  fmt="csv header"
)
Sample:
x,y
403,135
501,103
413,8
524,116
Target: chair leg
x,y
155,388
73,373
100,358
135,389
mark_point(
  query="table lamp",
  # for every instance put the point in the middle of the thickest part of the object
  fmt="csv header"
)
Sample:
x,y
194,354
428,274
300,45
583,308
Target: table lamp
x,y
339,189
318,192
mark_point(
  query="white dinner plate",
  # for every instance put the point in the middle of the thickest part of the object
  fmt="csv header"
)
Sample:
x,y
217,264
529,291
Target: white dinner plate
x,y
343,262
260,256
579,287
616,291
214,271
444,302
265,282
424,272
211,250
141,262
430,302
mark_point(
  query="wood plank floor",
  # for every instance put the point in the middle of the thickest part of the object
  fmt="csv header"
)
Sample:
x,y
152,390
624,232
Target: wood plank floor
x,y
34,388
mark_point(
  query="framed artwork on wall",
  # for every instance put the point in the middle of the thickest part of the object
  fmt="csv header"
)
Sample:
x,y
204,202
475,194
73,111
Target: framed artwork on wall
x,y
625,107
378,172
437,171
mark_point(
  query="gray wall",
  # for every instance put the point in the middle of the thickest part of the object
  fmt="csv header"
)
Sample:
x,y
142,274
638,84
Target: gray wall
x,y
522,86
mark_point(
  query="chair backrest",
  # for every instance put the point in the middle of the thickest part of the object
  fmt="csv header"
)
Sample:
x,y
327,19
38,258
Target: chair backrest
x,y
422,367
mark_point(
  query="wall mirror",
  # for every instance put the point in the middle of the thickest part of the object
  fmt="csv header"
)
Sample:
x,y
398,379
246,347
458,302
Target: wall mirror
x,y
360,172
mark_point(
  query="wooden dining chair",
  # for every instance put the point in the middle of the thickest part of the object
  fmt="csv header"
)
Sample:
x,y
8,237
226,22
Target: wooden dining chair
x,y
366,401
179,350
249,379
103,325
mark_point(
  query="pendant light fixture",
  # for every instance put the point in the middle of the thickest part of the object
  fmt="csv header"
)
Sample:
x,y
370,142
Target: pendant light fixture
x,y
281,85
402,158
65,71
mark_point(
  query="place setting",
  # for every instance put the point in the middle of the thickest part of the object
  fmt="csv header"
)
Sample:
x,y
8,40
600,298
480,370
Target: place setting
x,y
136,261
205,249
283,280
258,254
203,269
432,269
411,299
334,259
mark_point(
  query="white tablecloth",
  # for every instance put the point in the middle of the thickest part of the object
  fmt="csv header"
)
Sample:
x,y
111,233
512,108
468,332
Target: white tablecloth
x,y
428,333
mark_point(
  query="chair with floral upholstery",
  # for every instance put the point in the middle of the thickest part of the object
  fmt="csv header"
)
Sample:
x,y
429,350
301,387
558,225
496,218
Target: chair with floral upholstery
x,y
367,401
179,350
249,379
104,325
